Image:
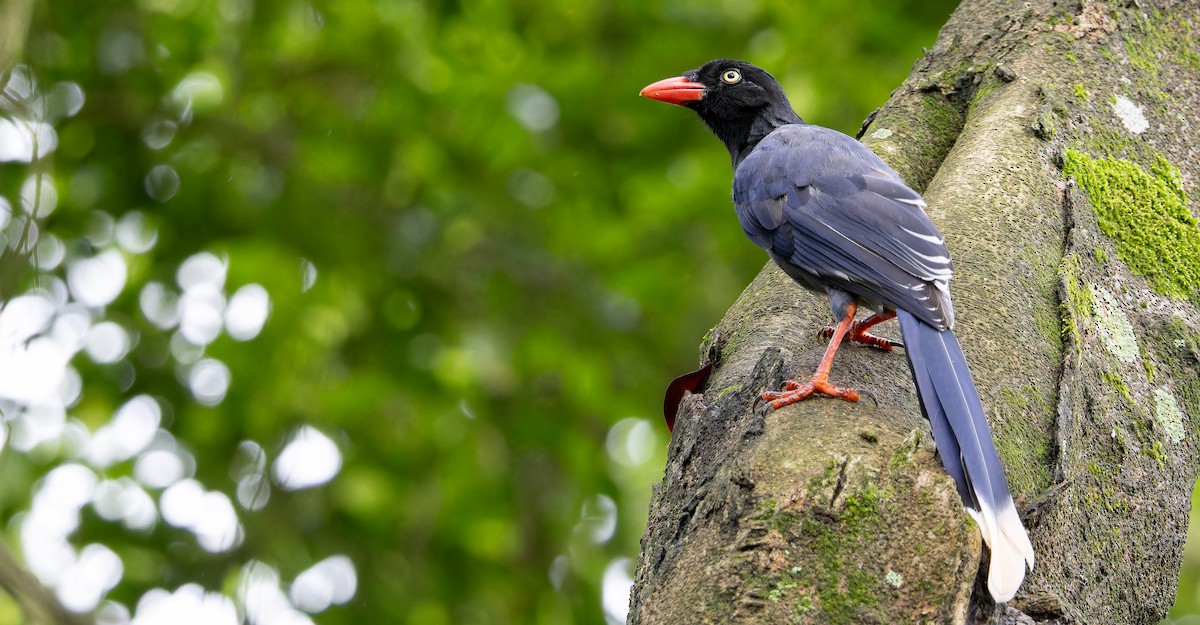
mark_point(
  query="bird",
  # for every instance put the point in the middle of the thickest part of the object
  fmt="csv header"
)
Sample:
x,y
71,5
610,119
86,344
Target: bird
x,y
839,221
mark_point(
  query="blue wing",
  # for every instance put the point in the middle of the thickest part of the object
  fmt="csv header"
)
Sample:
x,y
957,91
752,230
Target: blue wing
x,y
832,212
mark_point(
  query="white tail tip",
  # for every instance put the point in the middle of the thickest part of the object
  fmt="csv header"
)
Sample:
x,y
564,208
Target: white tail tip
x,y
1012,552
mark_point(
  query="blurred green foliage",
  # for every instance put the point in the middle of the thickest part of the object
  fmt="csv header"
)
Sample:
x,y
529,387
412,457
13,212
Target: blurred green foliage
x,y
1186,610
512,251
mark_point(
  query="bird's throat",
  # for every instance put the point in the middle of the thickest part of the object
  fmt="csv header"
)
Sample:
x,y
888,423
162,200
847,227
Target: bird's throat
x,y
741,134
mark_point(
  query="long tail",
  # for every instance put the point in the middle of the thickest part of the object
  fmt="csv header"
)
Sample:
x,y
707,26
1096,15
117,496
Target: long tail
x,y
964,441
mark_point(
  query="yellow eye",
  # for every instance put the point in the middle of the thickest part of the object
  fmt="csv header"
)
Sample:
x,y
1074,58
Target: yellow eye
x,y
731,76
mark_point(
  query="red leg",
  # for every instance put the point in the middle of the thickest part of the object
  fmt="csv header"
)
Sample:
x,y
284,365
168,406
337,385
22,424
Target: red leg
x,y
819,382
858,333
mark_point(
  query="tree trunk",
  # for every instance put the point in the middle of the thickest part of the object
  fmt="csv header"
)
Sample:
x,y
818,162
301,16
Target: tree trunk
x,y
1077,309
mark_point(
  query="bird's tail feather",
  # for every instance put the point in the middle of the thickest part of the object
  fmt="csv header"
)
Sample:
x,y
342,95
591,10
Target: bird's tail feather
x,y
964,442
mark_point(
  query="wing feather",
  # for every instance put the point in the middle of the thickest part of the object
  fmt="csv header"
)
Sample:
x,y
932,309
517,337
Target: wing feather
x,y
827,205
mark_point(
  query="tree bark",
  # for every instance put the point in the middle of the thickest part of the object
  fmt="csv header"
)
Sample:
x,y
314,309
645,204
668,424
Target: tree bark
x,y
1084,350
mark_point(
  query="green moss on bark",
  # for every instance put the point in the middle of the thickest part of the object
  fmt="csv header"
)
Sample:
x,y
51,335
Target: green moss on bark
x,y
843,590
1113,379
1155,43
1146,213
1023,447
1077,307
923,134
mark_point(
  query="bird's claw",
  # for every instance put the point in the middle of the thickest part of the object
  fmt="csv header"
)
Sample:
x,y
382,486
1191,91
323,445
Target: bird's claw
x,y
870,395
794,392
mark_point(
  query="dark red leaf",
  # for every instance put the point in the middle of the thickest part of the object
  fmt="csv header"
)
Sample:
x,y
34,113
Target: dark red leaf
x,y
693,382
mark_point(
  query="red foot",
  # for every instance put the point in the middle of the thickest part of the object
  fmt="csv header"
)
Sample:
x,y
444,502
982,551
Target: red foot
x,y
794,392
819,382
858,334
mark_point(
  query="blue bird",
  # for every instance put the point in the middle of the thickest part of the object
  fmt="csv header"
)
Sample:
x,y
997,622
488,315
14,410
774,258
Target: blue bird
x,y
840,221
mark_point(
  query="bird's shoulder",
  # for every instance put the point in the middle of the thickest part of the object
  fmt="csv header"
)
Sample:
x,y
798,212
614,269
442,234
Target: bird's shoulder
x,y
799,155
820,160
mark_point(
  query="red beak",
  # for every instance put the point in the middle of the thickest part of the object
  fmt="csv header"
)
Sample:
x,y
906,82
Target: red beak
x,y
677,91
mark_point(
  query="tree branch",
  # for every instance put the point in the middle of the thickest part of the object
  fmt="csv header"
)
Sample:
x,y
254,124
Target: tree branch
x,y
834,512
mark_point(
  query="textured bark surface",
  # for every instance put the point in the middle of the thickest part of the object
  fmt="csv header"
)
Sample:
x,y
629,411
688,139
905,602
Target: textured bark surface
x,y
831,512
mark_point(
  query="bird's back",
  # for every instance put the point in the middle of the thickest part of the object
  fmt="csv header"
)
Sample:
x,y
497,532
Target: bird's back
x,y
834,215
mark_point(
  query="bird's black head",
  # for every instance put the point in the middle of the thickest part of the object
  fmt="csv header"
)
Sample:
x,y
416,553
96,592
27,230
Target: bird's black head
x,y
740,102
